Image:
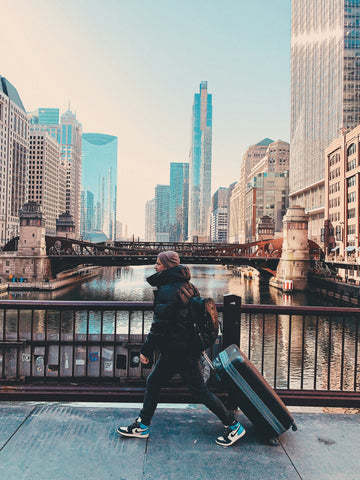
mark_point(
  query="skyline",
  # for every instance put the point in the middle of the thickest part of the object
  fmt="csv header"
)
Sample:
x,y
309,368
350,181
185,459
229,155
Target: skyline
x,y
135,78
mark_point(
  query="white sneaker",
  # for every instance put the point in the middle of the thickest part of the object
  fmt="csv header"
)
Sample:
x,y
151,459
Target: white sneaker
x,y
136,429
231,434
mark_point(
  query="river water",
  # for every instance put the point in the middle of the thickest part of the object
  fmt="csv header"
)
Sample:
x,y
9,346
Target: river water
x,y
129,284
314,341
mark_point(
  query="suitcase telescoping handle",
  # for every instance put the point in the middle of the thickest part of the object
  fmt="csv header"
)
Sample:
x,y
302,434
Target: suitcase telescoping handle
x,y
208,360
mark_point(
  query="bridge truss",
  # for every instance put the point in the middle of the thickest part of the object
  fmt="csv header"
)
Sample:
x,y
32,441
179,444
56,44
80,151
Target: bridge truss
x,y
66,253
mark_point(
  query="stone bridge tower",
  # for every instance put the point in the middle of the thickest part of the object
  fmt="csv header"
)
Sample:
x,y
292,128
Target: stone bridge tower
x,y
295,257
31,260
32,231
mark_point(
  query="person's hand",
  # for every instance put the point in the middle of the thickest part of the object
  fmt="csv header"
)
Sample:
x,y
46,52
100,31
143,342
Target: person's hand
x,y
143,359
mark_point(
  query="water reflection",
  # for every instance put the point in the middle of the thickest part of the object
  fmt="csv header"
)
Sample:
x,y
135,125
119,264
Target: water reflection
x,y
129,284
289,351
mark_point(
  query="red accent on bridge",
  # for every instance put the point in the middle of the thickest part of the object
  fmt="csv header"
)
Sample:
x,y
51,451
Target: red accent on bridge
x,y
66,253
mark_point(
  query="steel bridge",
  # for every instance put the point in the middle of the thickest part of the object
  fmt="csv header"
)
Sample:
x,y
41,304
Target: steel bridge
x,y
66,253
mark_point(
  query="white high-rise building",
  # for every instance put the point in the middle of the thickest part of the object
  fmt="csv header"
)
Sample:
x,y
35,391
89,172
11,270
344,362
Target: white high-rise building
x,y
150,221
68,134
220,215
14,146
47,178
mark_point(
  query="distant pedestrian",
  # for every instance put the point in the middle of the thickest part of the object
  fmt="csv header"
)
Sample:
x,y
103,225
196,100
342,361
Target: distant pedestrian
x,y
173,335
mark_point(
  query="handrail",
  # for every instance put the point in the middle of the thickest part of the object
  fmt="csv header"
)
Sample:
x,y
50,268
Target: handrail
x,y
103,305
309,354
300,310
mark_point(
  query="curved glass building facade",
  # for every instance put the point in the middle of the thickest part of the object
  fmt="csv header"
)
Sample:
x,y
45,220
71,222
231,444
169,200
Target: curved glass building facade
x,y
98,180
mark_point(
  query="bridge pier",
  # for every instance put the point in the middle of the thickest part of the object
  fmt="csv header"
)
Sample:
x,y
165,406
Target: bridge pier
x,y
30,262
295,257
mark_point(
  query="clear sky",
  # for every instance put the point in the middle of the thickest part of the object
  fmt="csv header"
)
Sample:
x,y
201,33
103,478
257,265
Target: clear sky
x,y
130,68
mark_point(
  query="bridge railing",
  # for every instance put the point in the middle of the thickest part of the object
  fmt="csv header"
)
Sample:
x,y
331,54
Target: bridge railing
x,y
310,355
90,350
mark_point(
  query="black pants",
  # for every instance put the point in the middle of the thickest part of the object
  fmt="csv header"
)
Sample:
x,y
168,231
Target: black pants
x,y
166,367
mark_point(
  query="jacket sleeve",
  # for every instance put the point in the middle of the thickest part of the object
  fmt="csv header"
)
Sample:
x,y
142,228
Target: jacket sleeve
x,y
164,315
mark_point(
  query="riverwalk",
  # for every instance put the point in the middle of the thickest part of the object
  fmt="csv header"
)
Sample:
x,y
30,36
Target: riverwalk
x,y
60,441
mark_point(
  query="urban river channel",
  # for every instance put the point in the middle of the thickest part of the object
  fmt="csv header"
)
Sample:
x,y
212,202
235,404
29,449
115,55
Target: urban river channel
x,y
129,284
314,350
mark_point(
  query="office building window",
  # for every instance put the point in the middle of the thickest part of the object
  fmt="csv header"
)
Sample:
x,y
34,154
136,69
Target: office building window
x,y
351,181
351,149
351,197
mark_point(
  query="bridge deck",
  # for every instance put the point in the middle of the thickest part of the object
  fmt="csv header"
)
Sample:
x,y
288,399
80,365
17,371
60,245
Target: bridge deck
x,y
61,440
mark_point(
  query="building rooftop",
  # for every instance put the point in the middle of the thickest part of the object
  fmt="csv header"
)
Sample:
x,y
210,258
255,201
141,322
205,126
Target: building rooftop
x,y
11,92
265,143
98,138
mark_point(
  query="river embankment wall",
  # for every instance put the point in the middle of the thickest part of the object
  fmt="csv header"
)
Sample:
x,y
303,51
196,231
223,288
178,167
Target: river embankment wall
x,y
335,289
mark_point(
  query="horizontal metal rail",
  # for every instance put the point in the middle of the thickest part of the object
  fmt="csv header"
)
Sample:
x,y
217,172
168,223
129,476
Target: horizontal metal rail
x,y
310,354
90,350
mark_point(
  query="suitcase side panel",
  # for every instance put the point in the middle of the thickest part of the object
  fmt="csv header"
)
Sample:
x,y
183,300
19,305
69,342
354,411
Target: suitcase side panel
x,y
255,397
252,397
258,383
244,404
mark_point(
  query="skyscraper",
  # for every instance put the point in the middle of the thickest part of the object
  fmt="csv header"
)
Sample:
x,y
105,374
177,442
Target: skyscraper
x,y
325,86
200,165
179,201
82,213
45,116
71,133
220,204
46,178
14,130
253,155
150,221
46,119
90,217
267,189
99,173
68,134
162,203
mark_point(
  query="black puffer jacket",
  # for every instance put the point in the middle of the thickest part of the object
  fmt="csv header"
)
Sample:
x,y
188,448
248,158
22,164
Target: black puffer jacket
x,y
171,330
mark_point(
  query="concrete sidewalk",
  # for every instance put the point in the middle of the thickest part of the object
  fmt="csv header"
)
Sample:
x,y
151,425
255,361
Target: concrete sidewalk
x,y
61,441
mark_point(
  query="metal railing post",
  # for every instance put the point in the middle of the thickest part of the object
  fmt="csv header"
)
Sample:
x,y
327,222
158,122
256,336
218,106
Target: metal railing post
x,y
231,320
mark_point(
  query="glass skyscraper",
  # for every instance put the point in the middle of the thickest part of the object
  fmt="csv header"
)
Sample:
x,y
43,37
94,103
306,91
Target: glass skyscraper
x,y
162,202
325,93
200,165
179,201
49,119
99,173
45,116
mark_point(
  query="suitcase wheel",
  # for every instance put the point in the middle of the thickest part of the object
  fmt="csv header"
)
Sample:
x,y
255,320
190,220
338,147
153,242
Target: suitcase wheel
x,y
274,442
294,427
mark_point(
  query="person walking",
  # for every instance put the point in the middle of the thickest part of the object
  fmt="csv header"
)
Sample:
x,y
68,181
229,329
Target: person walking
x,y
172,334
